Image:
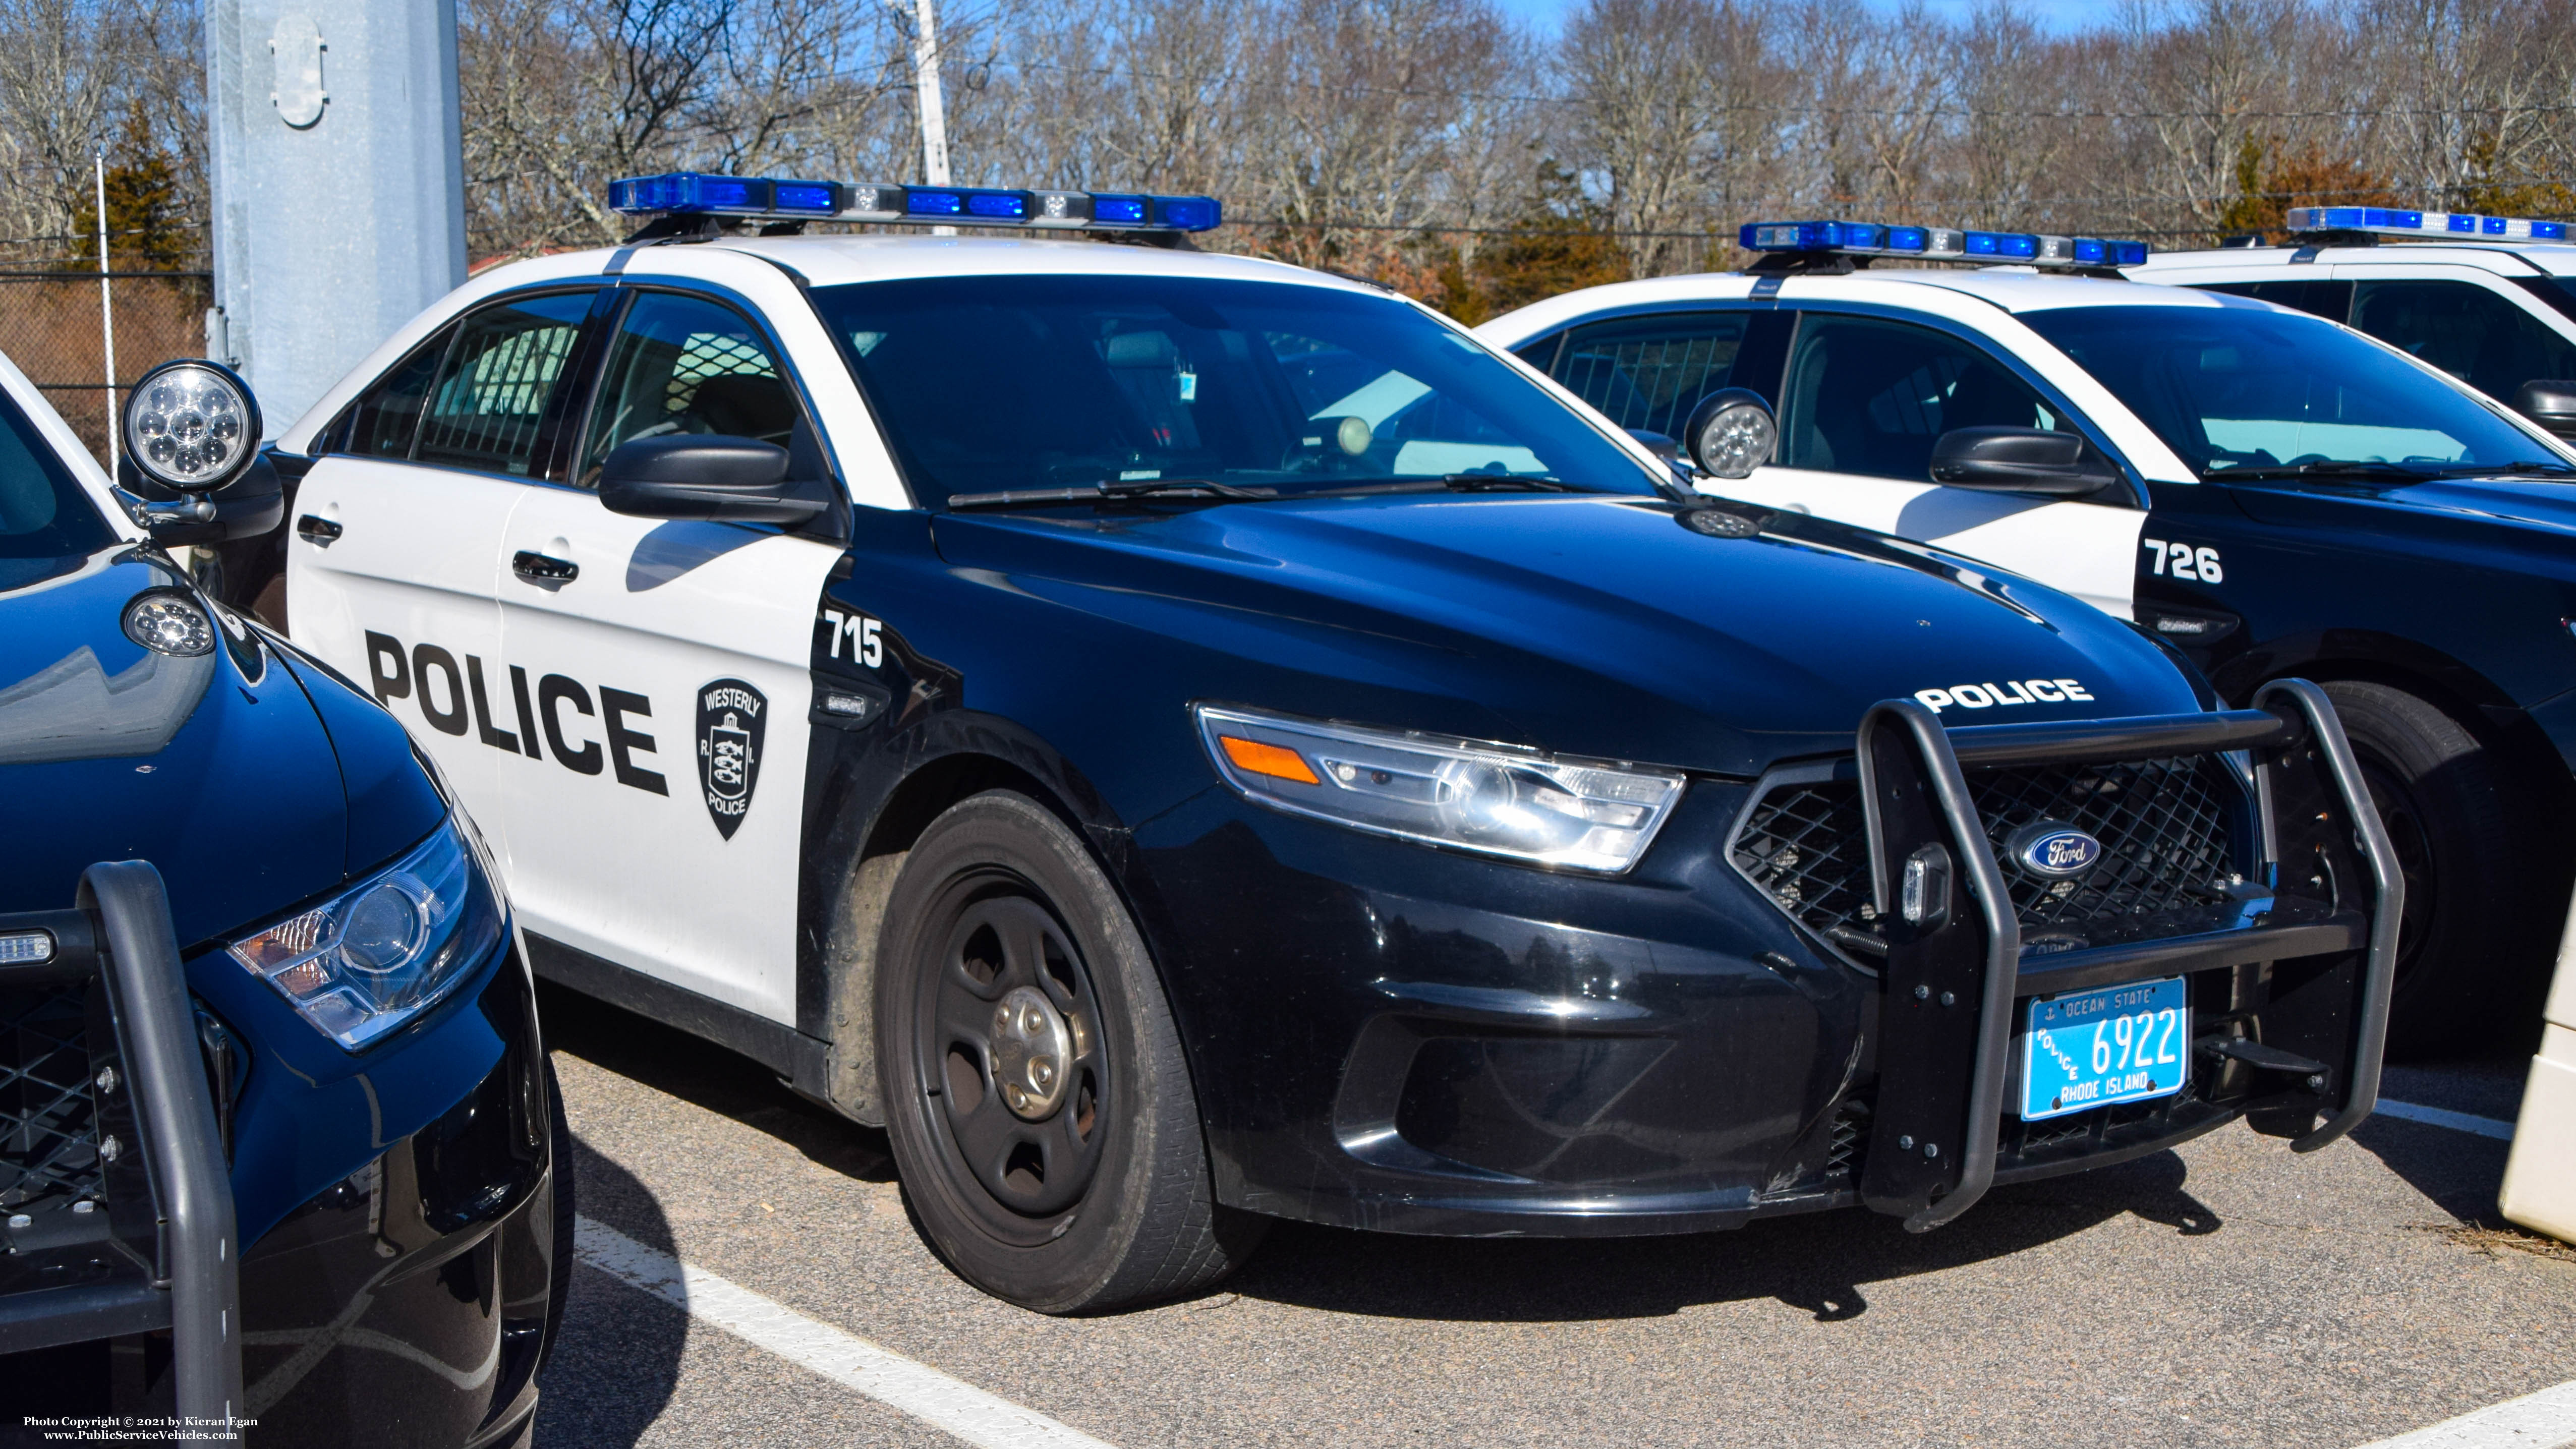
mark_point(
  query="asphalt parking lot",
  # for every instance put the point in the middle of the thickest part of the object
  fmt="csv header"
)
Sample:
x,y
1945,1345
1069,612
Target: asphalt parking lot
x,y
2225,1294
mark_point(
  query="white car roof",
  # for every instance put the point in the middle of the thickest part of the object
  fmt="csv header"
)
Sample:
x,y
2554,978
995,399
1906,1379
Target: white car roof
x,y
1949,292
822,261
2518,259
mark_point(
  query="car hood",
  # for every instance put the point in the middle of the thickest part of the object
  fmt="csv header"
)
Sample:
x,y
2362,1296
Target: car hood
x,y
1581,624
217,769
2544,510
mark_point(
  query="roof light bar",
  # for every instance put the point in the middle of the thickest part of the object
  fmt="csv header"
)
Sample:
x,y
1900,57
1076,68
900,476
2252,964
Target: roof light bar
x,y
1939,244
2457,226
772,199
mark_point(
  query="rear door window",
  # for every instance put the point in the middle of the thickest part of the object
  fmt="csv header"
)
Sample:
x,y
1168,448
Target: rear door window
x,y
1648,373
486,407
2483,339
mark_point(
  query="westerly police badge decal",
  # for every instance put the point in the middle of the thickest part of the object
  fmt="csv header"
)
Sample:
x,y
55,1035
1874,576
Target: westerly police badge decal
x,y
733,721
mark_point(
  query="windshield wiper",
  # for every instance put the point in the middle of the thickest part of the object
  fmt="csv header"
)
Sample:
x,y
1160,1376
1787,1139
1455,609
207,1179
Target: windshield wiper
x,y
1114,491
1451,483
2328,468
2518,468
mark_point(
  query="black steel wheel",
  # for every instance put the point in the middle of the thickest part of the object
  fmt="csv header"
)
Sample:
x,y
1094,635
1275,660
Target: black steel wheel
x,y
1038,1102
2470,933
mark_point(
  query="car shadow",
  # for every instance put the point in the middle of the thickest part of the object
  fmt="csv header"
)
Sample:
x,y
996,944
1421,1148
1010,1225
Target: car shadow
x,y
615,1367
2460,1172
703,1074
1822,1263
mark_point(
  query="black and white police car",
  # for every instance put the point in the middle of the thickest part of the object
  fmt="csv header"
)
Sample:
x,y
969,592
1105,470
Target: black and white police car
x,y
2270,493
2490,300
1182,740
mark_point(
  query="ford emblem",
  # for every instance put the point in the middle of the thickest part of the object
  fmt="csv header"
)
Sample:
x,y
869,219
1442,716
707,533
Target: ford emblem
x,y
2052,850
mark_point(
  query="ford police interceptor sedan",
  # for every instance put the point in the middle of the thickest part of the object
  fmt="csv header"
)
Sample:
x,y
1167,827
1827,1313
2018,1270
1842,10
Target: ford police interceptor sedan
x,y
2271,493
1182,740
277,1137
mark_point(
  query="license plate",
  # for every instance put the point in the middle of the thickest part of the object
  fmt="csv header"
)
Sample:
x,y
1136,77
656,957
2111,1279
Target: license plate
x,y
2086,1049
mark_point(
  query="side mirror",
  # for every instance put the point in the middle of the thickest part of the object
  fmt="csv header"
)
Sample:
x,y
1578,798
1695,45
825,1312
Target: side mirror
x,y
2017,460
2550,402
191,459
1731,433
1657,444
707,476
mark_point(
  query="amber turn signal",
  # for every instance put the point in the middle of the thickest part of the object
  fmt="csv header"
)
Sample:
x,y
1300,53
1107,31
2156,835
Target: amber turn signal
x,y
1263,759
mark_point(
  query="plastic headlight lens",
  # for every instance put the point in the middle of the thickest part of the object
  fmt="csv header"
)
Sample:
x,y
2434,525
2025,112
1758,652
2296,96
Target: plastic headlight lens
x,y
367,961
1548,810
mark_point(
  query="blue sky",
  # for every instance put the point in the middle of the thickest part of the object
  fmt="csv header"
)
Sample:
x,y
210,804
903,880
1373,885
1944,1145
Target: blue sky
x,y
2057,15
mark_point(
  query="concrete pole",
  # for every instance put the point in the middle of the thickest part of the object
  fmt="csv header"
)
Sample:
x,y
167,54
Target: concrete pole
x,y
337,161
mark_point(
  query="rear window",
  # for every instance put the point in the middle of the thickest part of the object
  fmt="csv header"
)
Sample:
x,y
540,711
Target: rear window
x,y
44,513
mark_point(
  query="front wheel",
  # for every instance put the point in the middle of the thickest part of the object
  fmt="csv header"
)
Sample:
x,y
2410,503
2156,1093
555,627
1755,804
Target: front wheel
x,y
2473,890
1036,1096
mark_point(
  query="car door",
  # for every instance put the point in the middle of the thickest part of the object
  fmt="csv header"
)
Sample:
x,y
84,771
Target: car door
x,y
669,664
1862,399
394,570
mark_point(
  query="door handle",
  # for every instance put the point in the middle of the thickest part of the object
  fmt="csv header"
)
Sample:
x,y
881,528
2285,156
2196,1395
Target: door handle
x,y
542,569
316,530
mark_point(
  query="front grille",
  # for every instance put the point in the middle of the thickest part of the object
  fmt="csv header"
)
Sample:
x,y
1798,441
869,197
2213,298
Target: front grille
x,y
48,1120
2169,830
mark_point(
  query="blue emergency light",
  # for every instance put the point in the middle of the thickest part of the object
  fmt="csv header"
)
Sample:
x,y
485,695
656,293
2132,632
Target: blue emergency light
x,y
772,199
1938,244
2454,226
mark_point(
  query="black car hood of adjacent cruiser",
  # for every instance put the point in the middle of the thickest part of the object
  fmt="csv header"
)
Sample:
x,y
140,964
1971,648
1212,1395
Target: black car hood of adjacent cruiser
x,y
234,773
1582,624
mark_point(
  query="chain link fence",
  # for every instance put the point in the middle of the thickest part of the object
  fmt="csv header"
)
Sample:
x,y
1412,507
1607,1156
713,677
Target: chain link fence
x,y
52,327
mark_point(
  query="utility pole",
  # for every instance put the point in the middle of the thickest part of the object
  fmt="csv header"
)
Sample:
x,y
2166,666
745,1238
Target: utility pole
x,y
336,152
925,89
106,314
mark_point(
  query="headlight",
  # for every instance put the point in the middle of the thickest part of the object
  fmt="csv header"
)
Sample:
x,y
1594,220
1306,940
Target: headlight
x,y
367,961
1523,805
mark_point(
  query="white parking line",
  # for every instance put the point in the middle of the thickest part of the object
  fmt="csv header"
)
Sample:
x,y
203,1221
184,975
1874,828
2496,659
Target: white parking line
x,y
925,1393
2545,1420
2445,1117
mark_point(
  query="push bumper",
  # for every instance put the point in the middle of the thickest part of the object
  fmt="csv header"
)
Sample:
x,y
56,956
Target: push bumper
x,y
2306,1010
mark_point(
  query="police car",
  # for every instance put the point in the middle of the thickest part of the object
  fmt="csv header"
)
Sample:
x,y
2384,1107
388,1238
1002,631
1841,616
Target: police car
x,y
1182,740
2269,493
2490,300
277,1139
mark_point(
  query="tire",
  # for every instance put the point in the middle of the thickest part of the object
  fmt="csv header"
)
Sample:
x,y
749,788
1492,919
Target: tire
x,y
559,1266
2466,937
1011,980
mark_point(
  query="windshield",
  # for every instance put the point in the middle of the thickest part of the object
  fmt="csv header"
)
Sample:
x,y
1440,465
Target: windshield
x,y
2238,390
44,514
986,384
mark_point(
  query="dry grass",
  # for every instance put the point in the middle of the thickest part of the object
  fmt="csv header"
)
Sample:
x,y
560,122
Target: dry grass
x,y
2495,1242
